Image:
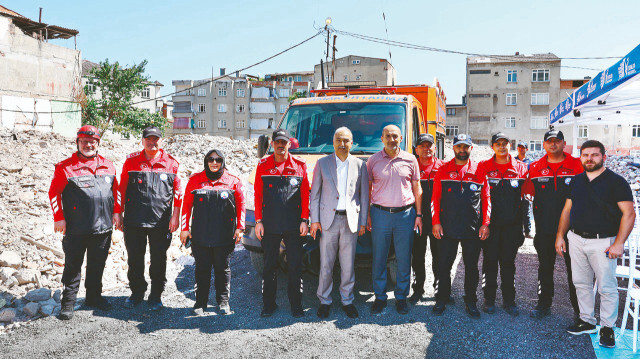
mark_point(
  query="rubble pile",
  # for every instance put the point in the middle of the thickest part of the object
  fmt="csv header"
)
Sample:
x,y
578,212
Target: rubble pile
x,y
31,256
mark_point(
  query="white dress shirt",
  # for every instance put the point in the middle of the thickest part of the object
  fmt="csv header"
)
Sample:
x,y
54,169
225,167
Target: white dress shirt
x,y
342,169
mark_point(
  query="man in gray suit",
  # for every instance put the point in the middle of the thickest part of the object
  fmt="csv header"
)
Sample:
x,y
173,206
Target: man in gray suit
x,y
339,207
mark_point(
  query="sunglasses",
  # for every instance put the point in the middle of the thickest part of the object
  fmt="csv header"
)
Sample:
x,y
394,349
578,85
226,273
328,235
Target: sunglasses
x,y
216,159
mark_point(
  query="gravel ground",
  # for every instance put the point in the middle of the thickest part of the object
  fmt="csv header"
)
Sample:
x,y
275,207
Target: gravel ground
x,y
174,332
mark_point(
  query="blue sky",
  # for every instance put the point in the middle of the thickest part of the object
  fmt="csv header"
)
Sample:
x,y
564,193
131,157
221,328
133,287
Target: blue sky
x,y
186,39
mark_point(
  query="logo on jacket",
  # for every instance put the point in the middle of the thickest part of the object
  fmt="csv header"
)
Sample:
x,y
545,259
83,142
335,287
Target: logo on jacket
x,y
273,171
545,172
567,180
294,182
224,195
163,176
144,167
514,183
107,179
473,187
493,174
452,175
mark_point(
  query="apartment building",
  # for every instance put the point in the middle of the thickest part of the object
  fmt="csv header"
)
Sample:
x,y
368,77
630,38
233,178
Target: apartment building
x,y
356,68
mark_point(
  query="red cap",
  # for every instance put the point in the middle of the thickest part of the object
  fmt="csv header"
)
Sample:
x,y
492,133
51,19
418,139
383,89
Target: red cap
x,y
88,131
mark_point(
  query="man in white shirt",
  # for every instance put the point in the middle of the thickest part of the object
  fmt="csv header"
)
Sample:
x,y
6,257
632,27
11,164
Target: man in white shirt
x,y
339,207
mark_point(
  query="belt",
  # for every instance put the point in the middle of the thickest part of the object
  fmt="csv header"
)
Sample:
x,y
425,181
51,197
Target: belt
x,y
393,209
591,235
342,212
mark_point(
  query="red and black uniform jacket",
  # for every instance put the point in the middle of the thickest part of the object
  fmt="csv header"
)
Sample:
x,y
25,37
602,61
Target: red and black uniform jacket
x,y
506,190
84,193
214,208
148,187
427,175
281,199
550,191
461,202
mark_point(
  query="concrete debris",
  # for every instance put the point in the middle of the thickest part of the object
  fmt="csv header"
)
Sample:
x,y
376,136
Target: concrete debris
x,y
6,273
25,276
38,295
7,315
10,259
31,309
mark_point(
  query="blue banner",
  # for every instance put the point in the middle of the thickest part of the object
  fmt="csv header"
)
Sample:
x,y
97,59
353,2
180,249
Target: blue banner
x,y
564,108
609,79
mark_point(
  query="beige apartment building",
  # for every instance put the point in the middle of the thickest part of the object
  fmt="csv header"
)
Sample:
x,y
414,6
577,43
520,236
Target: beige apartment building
x,y
356,68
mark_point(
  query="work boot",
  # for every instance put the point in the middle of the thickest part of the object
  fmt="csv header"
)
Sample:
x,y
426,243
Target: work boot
x,y
489,307
540,312
512,310
401,306
66,312
472,310
133,301
100,303
378,306
416,296
439,308
268,311
224,308
323,311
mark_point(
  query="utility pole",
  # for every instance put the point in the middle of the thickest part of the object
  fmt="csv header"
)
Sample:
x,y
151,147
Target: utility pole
x,y
327,22
333,62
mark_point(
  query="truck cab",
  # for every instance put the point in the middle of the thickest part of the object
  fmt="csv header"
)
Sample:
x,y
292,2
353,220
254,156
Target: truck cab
x,y
312,122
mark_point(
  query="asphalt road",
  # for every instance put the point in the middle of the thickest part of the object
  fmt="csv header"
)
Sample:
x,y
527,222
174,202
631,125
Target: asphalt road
x,y
138,333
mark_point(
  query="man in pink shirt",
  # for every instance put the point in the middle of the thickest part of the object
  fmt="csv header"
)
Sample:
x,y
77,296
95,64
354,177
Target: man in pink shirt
x,y
394,179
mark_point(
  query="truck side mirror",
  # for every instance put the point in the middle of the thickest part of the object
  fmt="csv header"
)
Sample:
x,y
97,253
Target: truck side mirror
x,y
263,145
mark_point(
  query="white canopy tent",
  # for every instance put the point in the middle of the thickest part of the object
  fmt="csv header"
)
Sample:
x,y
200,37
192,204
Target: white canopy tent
x,y
611,97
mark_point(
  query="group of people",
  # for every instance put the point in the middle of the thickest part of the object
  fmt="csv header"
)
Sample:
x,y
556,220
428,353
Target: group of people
x,y
405,200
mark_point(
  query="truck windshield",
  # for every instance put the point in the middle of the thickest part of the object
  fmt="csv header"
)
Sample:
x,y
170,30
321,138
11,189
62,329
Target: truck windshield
x,y
313,125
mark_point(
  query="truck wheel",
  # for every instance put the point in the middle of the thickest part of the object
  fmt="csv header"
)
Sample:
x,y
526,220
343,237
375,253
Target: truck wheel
x,y
392,271
257,260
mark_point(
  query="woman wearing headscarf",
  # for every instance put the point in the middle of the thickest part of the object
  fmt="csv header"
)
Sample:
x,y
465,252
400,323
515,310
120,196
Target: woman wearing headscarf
x,y
213,219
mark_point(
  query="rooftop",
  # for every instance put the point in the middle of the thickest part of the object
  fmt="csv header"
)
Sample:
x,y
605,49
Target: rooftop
x,y
492,59
35,28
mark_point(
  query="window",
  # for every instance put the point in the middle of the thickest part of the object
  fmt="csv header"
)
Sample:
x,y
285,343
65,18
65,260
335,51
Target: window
x,y
535,145
202,92
202,123
451,130
482,142
202,107
222,91
635,131
91,87
222,123
540,75
509,122
512,99
355,62
188,92
512,75
222,108
583,131
539,123
270,123
346,77
540,98
146,92
240,93
283,92
358,77
283,108
240,124
239,108
479,72
297,78
290,78
479,95
451,111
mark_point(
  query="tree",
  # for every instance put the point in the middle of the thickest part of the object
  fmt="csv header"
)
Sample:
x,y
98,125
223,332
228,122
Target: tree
x,y
108,104
298,94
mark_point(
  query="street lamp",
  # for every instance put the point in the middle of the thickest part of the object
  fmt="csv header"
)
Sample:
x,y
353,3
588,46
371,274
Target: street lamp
x,y
327,21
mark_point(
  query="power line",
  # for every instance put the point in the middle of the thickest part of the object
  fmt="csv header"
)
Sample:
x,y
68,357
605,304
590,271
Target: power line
x,y
190,88
435,49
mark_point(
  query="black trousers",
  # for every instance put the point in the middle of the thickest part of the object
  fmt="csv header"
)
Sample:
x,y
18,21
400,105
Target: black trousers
x,y
96,246
448,250
525,207
418,253
135,239
271,247
216,258
546,249
500,250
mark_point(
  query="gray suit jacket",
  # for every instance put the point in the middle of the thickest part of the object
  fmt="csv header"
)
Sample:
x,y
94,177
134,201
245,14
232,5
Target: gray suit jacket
x,y
324,192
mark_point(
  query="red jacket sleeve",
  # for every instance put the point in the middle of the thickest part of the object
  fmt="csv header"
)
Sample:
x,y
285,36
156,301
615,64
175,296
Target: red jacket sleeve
x,y
486,200
305,192
187,206
117,207
122,186
436,194
58,184
177,190
257,192
240,204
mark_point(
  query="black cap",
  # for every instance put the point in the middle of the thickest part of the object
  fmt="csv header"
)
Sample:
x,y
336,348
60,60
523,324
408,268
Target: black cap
x,y
554,134
523,144
462,138
280,134
151,131
498,136
424,137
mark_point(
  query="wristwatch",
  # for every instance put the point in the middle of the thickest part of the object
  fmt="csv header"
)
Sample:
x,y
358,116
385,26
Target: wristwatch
x,y
259,221
419,215
304,220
